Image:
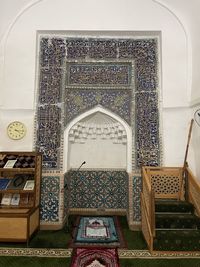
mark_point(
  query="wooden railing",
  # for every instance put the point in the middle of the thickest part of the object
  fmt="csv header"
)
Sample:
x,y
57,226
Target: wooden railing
x,y
147,209
193,190
158,182
165,182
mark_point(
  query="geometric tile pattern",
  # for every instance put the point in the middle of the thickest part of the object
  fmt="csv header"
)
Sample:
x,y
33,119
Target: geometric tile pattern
x,y
147,142
99,74
49,204
137,188
66,194
98,189
48,139
77,74
48,127
123,253
100,64
78,101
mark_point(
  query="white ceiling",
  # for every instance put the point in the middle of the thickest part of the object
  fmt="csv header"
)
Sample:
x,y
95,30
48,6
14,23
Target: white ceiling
x,y
187,11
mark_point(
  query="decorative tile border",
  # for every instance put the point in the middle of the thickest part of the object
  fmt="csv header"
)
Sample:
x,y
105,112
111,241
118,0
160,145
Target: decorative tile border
x,y
78,101
123,253
49,204
137,188
98,189
106,74
49,135
55,52
147,142
72,81
36,252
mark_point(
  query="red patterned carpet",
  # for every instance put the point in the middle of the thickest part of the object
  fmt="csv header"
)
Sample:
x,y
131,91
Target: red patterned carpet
x,y
95,257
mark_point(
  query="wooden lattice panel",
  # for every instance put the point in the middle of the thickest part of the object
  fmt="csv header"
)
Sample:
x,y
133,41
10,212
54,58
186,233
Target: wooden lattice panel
x,y
145,229
166,183
194,191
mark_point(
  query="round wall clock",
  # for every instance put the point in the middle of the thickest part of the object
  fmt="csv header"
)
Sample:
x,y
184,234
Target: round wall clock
x,y
16,130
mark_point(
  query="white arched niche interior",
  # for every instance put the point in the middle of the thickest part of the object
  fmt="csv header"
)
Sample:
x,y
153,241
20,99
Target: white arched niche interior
x,y
100,138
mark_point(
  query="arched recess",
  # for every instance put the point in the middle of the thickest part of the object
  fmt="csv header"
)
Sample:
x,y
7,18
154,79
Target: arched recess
x,y
86,114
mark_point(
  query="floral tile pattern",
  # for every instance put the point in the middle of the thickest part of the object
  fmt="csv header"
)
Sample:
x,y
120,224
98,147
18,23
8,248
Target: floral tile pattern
x,y
75,59
80,100
120,74
99,74
137,187
49,204
98,189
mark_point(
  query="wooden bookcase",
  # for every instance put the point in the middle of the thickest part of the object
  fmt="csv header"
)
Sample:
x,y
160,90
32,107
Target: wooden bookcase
x,y
19,219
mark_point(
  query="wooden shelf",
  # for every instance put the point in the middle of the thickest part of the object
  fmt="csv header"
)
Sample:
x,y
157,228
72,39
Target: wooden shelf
x,y
19,222
15,191
20,170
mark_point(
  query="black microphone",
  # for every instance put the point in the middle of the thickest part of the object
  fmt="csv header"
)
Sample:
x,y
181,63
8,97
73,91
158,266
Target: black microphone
x,y
81,165
66,186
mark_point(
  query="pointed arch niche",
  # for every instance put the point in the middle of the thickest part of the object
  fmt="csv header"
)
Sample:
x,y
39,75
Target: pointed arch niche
x,y
99,137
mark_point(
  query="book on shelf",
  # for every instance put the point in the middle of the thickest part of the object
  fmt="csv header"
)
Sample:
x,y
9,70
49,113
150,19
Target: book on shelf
x,y
10,163
4,183
6,199
29,185
17,182
15,199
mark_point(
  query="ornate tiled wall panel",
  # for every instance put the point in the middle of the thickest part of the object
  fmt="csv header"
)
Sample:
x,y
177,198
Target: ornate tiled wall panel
x,y
98,189
137,187
48,135
49,204
147,142
120,74
66,194
99,74
80,100
52,56
100,65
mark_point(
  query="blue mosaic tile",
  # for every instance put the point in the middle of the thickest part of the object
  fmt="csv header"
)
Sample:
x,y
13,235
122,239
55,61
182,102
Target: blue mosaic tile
x,y
48,135
66,193
144,52
147,142
55,51
50,86
52,52
98,189
137,188
102,48
49,204
79,101
77,48
99,74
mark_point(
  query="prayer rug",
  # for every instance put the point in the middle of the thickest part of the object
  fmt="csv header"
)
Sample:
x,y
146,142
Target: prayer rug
x,y
98,231
95,257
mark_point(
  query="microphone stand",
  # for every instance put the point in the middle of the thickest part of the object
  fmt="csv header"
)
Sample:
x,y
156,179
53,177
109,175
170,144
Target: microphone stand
x,y
77,170
70,224
81,165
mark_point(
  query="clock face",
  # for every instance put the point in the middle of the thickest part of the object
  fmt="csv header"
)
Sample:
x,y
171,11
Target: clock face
x,y
16,130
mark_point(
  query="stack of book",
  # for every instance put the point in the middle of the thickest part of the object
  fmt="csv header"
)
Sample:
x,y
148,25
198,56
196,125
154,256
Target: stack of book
x,y
14,161
4,182
10,199
16,183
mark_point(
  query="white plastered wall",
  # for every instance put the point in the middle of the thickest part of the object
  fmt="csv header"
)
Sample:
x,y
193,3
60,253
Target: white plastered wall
x,y
19,45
